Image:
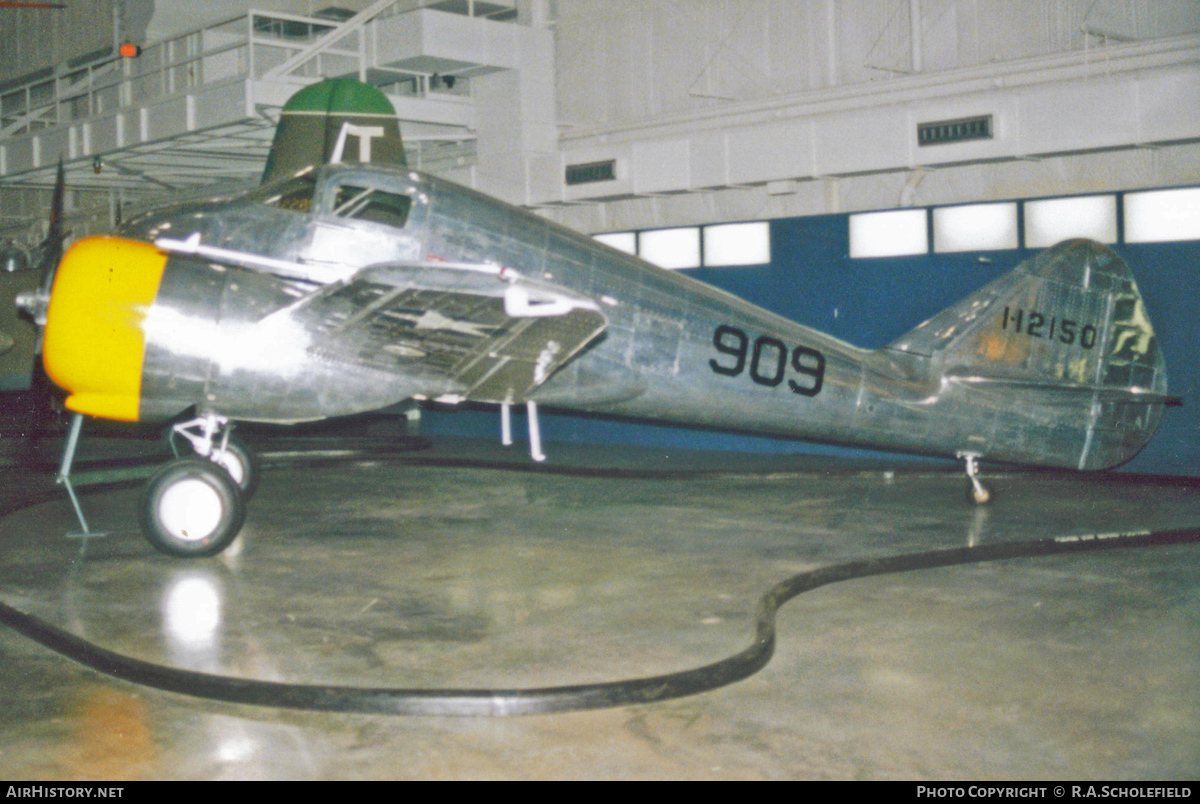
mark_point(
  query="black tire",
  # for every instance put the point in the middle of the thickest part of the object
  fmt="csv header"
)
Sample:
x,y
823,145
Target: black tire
x,y
241,464
191,508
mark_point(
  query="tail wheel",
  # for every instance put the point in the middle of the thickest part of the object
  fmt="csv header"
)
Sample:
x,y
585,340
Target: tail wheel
x,y
980,494
240,463
191,508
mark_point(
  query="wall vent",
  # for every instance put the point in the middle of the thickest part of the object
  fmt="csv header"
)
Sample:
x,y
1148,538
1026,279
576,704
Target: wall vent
x,y
943,132
591,172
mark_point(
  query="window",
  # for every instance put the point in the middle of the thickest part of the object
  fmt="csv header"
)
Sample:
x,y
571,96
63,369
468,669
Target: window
x,y
737,244
889,234
1054,220
621,241
371,204
671,248
1162,215
975,227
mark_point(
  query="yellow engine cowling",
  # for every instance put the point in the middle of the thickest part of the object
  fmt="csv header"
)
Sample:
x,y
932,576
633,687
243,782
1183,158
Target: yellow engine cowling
x,y
94,344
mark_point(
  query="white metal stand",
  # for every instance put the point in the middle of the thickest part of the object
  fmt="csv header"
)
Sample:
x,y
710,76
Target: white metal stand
x,y
506,424
535,433
64,478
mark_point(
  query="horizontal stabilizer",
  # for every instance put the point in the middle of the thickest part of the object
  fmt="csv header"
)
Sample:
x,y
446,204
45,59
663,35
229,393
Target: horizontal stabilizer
x,y
1113,393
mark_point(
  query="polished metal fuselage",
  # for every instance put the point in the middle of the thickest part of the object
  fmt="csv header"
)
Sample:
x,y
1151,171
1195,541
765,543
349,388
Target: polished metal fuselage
x,y
674,349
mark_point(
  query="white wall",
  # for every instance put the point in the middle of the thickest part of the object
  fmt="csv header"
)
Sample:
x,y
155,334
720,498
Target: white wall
x,y
624,61
672,88
42,37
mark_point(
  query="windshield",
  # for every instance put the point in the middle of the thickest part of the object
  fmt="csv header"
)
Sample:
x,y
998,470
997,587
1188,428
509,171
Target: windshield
x,y
371,204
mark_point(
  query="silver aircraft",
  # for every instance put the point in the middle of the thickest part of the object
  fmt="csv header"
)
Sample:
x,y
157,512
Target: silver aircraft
x,y
341,288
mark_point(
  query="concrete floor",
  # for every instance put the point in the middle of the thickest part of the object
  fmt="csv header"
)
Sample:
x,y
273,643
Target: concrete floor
x,y
456,566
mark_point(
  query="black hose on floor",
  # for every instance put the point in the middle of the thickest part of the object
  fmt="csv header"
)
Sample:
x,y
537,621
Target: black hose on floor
x,y
740,665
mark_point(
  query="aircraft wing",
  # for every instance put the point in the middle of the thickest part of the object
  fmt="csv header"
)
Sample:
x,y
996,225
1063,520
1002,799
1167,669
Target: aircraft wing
x,y
485,332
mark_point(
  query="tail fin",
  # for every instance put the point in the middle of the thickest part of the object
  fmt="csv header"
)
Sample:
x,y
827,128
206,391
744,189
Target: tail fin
x,y
1069,323
1071,316
336,120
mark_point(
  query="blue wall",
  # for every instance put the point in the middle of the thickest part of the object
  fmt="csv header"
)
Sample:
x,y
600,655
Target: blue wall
x,y
871,302
1168,275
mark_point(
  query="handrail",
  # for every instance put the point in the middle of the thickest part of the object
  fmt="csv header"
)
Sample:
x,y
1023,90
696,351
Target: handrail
x,y
42,101
346,28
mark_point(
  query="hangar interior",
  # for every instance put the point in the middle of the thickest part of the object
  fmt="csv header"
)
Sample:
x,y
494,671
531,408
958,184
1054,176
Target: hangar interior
x,y
853,165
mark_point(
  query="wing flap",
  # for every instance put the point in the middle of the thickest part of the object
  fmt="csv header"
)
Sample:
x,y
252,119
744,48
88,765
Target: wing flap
x,y
480,332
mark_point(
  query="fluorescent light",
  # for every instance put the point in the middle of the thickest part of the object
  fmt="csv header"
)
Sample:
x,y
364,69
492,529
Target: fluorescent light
x,y
737,244
621,241
1054,220
671,248
1162,215
975,227
889,234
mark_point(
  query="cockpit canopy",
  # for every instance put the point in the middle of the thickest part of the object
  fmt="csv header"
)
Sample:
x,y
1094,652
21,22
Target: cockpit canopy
x,y
367,195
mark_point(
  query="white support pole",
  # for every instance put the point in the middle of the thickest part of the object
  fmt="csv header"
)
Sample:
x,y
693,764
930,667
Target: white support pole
x,y
535,433
64,472
506,424
64,479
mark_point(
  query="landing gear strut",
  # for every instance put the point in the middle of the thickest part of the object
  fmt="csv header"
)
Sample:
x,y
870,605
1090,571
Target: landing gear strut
x,y
195,506
229,453
977,492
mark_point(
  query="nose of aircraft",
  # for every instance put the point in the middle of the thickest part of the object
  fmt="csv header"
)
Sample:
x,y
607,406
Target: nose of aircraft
x,y
94,344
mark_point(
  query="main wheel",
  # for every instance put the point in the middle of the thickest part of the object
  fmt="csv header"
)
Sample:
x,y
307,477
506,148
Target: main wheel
x,y
241,465
191,508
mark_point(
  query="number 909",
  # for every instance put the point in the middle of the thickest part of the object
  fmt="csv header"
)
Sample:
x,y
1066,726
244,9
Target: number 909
x,y
768,359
